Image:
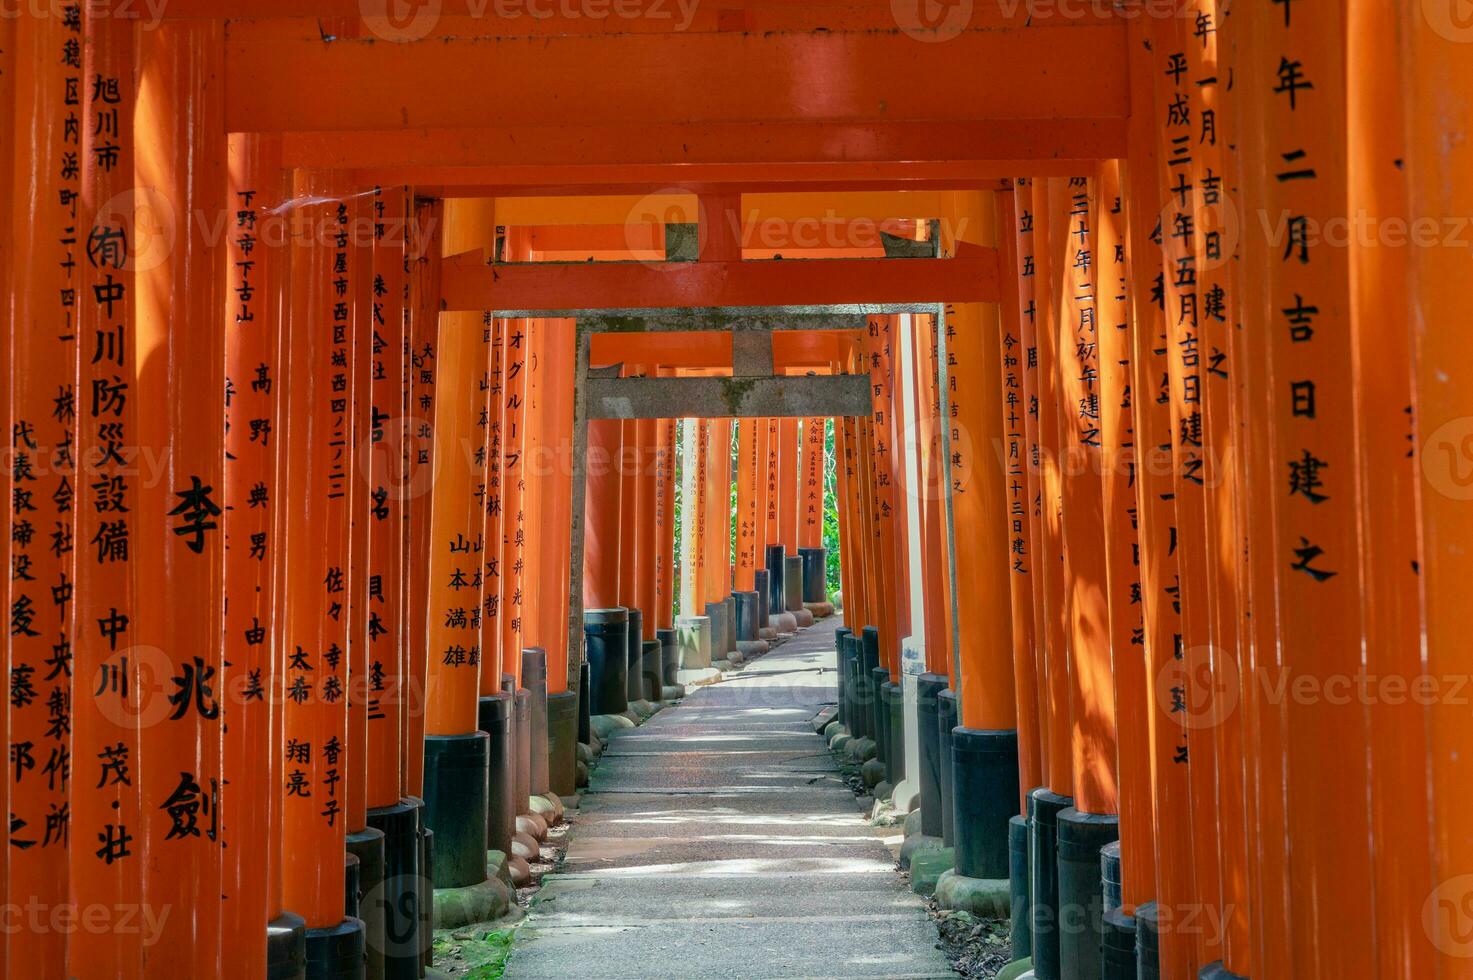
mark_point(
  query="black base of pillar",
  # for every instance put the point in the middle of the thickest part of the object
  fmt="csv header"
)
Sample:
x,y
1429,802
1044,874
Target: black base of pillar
x,y
352,894
815,574
1147,942
879,719
427,895
748,608
607,635
928,693
895,704
716,613
869,660
1216,971
653,667
456,768
984,800
562,743
1110,881
762,583
501,816
669,657
521,720
1043,871
1119,947
1081,892
1022,904
634,673
286,948
775,556
337,953
854,685
399,895
792,583
534,679
367,846
842,675
585,704
947,715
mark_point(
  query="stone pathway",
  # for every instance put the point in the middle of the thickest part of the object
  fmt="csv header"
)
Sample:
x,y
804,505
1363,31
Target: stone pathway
x,y
719,841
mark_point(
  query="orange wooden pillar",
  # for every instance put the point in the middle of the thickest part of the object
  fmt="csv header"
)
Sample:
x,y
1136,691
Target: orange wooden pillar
x,y
697,535
8,74
423,269
1382,348
1316,527
257,270
1438,74
718,514
1119,510
644,524
44,348
936,590
1026,221
491,442
747,516
553,457
1179,101
1175,887
813,505
104,744
457,753
548,468
984,750
383,689
1049,802
1091,823
181,153
313,616
665,485
788,488
601,537
513,542
1211,58
629,506
1015,351
810,529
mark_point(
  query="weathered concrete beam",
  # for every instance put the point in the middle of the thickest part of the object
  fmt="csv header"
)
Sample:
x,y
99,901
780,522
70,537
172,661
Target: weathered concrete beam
x,y
770,397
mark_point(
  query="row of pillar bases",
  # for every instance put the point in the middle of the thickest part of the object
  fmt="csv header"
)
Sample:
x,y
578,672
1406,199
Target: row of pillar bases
x,y
1054,870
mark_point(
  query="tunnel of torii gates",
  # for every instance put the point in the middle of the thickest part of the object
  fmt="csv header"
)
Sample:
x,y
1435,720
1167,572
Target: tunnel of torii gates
x,y
348,364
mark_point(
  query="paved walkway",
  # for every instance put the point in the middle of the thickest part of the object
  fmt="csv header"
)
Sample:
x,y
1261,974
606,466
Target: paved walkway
x,y
718,841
